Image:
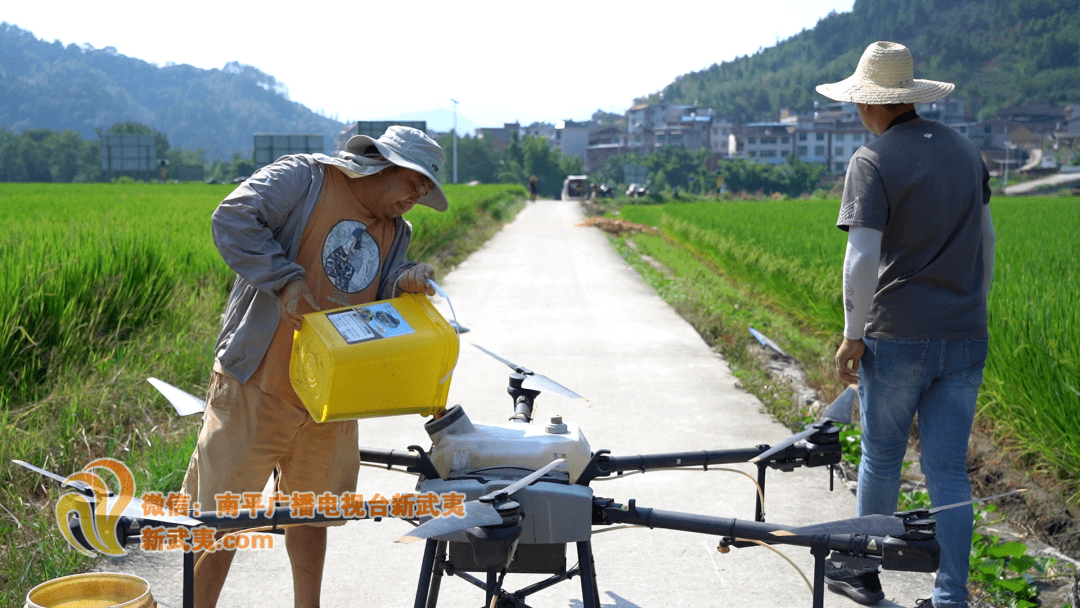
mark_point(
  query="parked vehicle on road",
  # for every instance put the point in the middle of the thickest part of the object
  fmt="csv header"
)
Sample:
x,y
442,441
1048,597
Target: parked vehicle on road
x,y
575,187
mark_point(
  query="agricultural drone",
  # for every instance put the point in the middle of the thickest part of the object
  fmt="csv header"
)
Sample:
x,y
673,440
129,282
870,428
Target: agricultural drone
x,y
525,495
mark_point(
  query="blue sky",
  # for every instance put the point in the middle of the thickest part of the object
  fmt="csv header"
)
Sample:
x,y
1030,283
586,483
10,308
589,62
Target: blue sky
x,y
502,61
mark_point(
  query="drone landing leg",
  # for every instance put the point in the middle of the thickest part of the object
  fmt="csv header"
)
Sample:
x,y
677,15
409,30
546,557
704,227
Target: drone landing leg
x,y
819,575
426,568
759,510
427,590
492,587
437,574
590,594
189,579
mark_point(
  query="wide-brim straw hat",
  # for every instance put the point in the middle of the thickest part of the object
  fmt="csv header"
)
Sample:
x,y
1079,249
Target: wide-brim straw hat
x,y
409,148
885,75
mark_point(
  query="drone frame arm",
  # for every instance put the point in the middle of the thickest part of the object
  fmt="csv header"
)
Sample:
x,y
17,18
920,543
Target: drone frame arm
x,y
415,460
803,454
915,552
603,464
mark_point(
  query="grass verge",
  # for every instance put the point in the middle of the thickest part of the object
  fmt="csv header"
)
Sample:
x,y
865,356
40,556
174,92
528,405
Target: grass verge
x,y
722,308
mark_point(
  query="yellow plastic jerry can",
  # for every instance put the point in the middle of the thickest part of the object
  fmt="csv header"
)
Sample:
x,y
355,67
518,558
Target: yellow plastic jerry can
x,y
385,358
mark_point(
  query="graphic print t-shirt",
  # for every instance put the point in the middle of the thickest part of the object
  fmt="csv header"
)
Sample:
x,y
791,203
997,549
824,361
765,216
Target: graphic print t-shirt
x,y
343,249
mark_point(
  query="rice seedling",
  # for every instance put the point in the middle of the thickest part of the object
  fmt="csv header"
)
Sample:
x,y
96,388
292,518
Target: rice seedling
x,y
1031,389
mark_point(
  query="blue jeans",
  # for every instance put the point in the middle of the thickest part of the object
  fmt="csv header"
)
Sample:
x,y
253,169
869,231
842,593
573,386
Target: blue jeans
x,y
938,380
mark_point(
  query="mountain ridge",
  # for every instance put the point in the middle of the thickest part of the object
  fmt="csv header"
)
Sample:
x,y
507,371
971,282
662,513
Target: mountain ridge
x,y
52,86
999,53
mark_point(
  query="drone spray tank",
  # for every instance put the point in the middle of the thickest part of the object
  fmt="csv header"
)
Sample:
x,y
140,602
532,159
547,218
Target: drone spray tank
x,y
459,446
512,469
491,460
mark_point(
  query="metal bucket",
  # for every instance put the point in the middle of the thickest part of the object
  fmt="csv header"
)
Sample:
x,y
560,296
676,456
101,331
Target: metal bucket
x,y
92,590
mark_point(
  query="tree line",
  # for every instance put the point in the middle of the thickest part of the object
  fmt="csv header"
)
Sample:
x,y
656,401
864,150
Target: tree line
x,y
478,160
673,170
47,156
44,155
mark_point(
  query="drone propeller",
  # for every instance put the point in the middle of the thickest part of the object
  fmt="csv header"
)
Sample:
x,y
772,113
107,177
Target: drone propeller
x,y
479,512
74,484
133,510
534,381
476,514
504,493
838,411
936,510
183,402
881,525
870,525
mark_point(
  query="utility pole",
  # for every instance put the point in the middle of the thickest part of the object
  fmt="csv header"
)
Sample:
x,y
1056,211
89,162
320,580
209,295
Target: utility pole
x,y
455,138
1008,147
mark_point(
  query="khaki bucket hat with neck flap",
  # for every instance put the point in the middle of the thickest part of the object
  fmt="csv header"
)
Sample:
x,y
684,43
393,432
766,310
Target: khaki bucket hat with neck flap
x,y
409,148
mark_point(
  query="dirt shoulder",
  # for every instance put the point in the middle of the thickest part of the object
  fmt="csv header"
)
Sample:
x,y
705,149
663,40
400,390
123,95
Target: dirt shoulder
x,y
1040,512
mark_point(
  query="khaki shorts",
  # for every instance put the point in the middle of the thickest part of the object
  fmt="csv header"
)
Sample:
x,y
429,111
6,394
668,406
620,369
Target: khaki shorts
x,y
246,433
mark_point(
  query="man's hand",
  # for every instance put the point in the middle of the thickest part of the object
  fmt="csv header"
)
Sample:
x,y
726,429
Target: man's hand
x,y
292,302
414,280
847,360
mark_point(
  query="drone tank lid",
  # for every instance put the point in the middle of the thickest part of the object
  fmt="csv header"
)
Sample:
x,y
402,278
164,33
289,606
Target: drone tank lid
x,y
449,420
556,426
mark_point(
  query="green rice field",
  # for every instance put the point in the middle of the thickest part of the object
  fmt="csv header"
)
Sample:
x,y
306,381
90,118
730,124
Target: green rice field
x,y
87,264
90,263
790,253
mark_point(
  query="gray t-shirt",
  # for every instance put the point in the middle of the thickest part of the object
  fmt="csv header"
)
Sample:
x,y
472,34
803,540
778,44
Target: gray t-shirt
x,y
923,185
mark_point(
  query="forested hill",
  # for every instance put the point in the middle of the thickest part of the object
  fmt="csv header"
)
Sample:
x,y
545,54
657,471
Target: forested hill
x,y
47,85
1000,53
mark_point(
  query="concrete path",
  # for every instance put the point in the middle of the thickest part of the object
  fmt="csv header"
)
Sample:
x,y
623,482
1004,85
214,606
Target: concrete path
x,y
1058,179
555,298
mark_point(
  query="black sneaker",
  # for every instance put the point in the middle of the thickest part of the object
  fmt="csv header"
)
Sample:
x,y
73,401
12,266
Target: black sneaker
x,y
927,603
860,584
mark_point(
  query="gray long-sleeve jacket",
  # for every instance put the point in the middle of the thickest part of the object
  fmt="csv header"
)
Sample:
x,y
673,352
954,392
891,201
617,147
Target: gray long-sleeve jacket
x,y
257,229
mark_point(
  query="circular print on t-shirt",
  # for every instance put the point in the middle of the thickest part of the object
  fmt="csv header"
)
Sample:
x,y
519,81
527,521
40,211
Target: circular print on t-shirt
x,y
350,256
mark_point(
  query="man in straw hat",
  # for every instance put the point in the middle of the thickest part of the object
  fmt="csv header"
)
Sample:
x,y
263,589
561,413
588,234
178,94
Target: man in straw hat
x,y
305,233
916,275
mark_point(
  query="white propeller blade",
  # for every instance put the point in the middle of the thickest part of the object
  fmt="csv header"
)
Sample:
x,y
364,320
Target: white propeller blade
x,y
185,403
